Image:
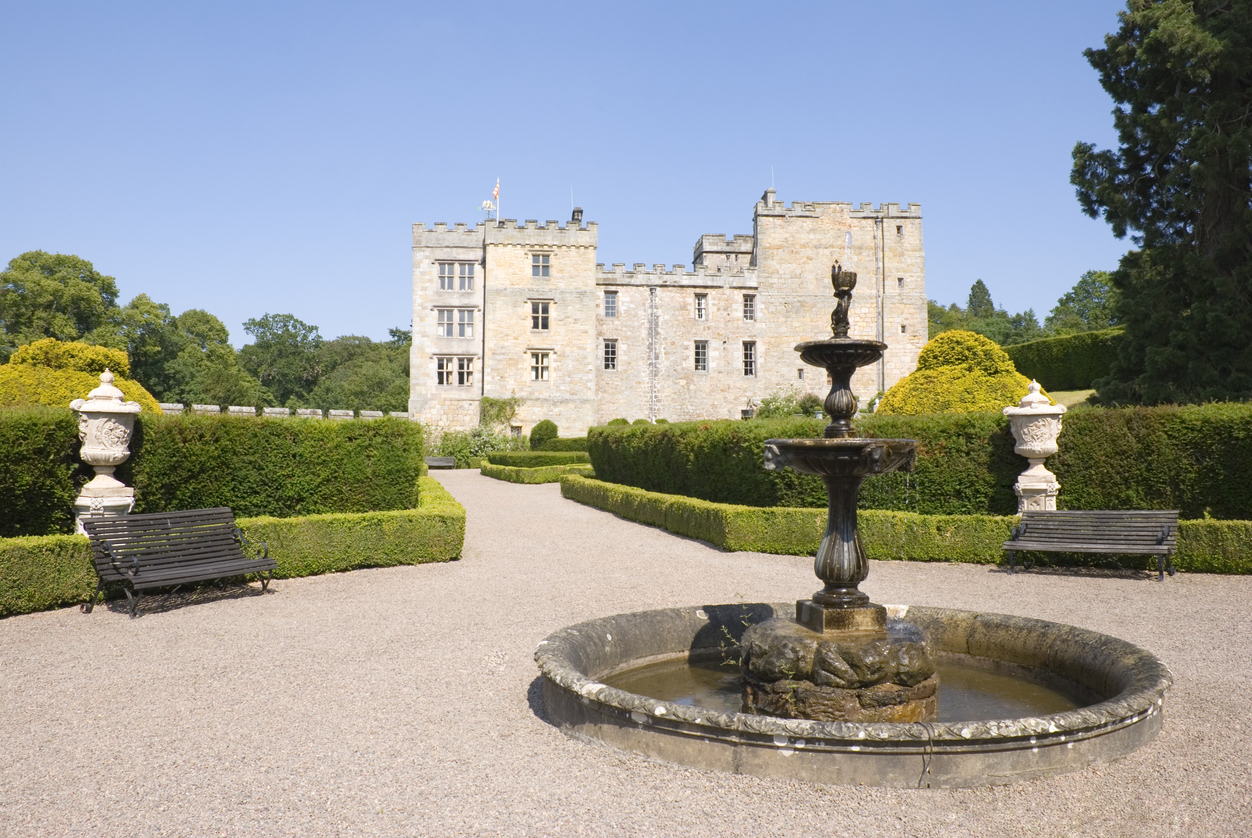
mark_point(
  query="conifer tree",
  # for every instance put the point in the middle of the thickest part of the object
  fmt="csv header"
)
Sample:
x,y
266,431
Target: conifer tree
x,y
1180,184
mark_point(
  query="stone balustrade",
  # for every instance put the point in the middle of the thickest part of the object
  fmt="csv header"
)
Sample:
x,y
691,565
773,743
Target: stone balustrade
x,y
278,412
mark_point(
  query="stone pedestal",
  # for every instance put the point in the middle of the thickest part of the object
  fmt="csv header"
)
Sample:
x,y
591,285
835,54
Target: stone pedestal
x,y
105,424
1036,424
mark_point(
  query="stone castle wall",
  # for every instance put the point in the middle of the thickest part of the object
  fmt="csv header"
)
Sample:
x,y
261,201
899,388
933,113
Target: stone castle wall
x,y
784,266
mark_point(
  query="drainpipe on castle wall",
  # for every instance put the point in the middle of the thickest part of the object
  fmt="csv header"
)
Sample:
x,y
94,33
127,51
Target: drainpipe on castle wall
x,y
881,265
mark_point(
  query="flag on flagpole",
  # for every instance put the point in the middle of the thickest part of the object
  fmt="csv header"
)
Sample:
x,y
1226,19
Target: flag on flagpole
x,y
496,193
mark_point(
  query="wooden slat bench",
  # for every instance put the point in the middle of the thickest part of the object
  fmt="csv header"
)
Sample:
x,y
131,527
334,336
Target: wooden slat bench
x,y
441,462
168,549
1154,532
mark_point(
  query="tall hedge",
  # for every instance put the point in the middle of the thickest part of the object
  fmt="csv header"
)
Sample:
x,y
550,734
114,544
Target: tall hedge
x,y
41,472
273,466
1188,458
1072,362
965,464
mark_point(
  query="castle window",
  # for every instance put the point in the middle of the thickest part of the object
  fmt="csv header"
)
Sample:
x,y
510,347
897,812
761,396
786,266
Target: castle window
x,y
702,306
539,366
610,354
539,264
899,282
465,372
800,374
702,356
610,303
749,306
458,371
539,316
749,357
445,322
443,370
903,329
456,276
899,229
465,323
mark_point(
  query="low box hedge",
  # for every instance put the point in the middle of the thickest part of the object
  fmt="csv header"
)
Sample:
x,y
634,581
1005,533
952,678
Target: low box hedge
x,y
42,572
1204,546
540,474
535,459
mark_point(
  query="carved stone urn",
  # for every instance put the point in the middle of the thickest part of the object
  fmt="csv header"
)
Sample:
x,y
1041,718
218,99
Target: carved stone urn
x,y
1036,424
105,424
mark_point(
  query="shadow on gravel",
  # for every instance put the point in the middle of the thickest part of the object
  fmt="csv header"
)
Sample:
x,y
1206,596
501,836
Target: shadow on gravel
x,y
534,697
1128,574
162,602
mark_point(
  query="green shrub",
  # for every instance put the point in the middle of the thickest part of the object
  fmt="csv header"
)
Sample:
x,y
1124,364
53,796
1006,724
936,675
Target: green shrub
x,y
1071,362
572,443
541,433
72,355
535,459
38,573
535,474
1205,546
965,462
641,422
25,385
467,448
957,372
41,472
282,467
619,421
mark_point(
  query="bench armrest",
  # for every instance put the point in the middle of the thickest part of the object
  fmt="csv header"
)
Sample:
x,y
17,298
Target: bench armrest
x,y
120,565
259,548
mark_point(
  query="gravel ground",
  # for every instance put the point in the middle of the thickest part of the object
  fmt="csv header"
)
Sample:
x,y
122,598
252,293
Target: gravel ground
x,y
404,701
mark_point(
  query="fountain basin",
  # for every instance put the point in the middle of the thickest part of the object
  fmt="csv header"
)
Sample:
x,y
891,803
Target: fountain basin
x,y
1128,683
841,457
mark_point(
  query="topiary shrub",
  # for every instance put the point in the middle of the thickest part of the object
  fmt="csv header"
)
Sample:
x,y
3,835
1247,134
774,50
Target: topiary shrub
x,y
641,422
72,355
25,385
541,433
618,421
957,372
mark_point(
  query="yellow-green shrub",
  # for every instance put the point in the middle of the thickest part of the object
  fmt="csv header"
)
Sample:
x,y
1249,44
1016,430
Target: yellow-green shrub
x,y
957,372
535,474
26,385
72,355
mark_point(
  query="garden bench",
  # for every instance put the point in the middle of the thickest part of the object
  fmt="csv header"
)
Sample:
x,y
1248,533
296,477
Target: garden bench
x,y
164,549
441,462
1153,532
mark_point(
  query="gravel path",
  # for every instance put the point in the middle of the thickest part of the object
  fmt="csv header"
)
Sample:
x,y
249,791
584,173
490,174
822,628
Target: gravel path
x,y
404,701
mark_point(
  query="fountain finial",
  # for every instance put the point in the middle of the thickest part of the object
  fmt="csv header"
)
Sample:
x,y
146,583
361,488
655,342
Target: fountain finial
x,y
843,283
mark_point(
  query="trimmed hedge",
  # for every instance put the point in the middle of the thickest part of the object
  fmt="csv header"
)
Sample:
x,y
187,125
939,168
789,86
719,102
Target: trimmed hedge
x,y
572,443
269,466
1071,362
41,473
39,573
539,474
965,462
535,459
1206,546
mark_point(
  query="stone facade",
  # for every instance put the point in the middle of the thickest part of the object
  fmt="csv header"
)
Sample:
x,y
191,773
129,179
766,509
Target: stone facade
x,y
505,309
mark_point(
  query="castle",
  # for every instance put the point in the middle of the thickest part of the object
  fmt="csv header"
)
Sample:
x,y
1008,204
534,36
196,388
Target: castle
x,y
507,309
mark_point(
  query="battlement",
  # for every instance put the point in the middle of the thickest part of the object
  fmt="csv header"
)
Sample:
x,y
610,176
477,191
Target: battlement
x,y
768,206
699,276
506,231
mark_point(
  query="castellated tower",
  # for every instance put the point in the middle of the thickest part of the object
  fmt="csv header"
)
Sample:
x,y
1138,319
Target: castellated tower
x,y
523,309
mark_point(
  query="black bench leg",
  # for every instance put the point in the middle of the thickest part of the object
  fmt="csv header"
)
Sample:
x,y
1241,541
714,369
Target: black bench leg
x,y
265,579
134,601
1012,561
91,603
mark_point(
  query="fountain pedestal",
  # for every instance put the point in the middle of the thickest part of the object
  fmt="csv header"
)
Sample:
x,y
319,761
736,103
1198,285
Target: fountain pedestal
x,y
838,661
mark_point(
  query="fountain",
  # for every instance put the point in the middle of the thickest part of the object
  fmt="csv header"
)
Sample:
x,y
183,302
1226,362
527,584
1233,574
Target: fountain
x,y
847,691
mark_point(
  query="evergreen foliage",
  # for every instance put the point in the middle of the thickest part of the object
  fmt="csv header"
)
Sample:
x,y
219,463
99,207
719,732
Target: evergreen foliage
x,y
572,443
542,432
53,295
72,355
1180,184
1070,362
957,372
535,474
535,459
42,472
26,385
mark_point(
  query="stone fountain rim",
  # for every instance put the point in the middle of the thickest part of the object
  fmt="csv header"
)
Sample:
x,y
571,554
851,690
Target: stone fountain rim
x,y
1142,697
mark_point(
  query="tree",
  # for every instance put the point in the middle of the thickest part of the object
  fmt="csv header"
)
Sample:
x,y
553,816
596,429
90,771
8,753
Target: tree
x,y
1087,307
151,338
1180,184
979,305
207,369
52,295
283,356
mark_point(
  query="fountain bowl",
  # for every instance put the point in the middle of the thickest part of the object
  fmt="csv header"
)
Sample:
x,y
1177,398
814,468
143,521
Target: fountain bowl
x,y
1127,682
841,457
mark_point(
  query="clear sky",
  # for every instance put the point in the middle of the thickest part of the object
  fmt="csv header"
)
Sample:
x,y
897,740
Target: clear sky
x,y
261,157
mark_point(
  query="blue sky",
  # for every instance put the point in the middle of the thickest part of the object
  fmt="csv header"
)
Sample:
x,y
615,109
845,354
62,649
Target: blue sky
x,y
253,158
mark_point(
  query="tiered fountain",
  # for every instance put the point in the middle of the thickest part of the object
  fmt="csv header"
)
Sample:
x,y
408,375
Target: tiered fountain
x,y
831,690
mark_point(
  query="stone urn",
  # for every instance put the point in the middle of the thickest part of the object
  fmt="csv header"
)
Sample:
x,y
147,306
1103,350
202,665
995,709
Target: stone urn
x,y
1036,423
105,423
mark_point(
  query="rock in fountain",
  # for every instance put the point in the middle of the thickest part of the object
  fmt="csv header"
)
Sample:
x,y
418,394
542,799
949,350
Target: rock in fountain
x,y
838,661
